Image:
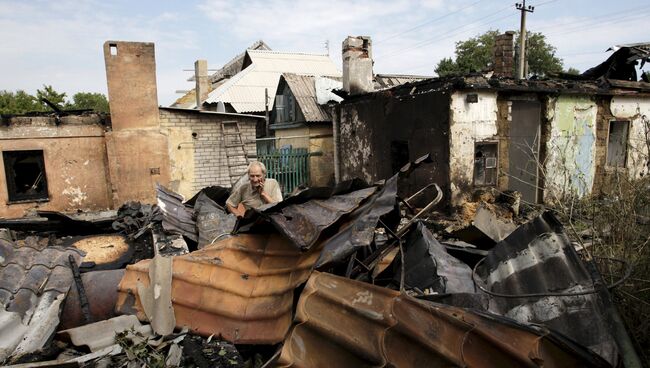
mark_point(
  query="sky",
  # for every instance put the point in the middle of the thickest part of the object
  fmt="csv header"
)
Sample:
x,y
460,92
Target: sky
x,y
59,43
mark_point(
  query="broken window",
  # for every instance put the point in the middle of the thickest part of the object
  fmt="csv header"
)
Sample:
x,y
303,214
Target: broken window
x,y
25,175
485,163
399,154
617,143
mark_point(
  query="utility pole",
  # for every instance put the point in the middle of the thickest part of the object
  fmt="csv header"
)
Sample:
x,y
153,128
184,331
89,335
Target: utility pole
x,y
522,37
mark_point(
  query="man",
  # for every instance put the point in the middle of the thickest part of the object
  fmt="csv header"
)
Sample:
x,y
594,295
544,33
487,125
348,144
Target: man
x,y
257,192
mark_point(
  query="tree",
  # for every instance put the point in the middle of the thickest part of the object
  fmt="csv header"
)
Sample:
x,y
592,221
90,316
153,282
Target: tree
x,y
572,71
51,95
89,100
19,102
476,54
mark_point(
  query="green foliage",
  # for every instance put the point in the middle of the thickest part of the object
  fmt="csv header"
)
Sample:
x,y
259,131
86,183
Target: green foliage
x,y
51,95
572,71
89,100
21,102
476,54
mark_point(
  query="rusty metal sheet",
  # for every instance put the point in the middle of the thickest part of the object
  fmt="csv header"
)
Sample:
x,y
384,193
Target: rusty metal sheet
x,y
33,285
100,288
539,258
240,288
346,323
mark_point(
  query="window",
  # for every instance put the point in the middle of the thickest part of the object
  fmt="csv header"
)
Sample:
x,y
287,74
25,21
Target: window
x,y
617,143
485,163
25,174
399,154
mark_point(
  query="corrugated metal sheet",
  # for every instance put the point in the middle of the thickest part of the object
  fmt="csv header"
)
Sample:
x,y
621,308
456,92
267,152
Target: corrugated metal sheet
x,y
245,91
383,81
240,288
346,323
429,266
538,258
176,217
303,88
303,223
33,285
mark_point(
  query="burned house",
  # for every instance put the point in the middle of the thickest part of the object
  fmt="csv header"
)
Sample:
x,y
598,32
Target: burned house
x,y
70,161
544,138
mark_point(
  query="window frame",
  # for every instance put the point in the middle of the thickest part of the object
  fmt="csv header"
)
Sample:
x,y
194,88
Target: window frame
x,y
496,168
13,197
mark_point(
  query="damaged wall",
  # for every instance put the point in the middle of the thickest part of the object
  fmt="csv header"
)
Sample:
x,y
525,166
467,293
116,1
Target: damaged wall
x,y
636,110
137,150
470,123
571,146
381,132
75,162
197,155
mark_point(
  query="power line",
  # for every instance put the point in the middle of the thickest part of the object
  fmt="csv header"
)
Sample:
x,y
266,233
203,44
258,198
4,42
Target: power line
x,y
590,20
596,23
428,22
450,33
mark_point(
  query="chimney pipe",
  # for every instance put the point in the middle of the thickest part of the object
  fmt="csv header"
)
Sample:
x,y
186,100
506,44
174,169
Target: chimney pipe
x,y
201,78
357,65
504,55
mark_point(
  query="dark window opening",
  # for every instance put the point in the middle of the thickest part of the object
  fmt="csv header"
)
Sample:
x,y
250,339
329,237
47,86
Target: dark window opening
x,y
113,49
25,174
399,154
617,143
485,164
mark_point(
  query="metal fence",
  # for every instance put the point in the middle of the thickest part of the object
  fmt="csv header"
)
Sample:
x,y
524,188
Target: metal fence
x,y
289,166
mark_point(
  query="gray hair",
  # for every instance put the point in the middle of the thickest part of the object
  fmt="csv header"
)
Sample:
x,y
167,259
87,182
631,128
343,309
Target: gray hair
x,y
258,164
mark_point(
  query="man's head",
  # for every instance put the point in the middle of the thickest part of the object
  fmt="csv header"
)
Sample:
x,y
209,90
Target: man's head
x,y
256,173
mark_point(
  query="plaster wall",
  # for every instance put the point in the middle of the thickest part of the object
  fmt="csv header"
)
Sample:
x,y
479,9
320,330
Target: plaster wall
x,y
321,167
201,159
75,163
571,146
469,123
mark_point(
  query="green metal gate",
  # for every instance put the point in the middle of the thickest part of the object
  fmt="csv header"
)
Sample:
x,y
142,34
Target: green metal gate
x,y
289,166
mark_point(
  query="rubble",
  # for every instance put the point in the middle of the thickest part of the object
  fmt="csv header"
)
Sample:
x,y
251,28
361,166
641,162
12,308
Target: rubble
x,y
343,276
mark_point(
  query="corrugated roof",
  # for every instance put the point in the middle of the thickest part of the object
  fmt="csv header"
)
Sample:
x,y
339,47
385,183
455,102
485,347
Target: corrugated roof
x,y
383,81
347,323
240,288
303,88
245,91
33,285
538,257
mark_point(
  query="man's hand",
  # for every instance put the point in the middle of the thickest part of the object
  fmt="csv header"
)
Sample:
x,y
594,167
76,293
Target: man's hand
x,y
260,186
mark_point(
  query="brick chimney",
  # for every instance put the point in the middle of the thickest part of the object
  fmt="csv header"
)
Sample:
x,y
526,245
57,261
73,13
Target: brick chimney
x,y
202,82
357,65
504,55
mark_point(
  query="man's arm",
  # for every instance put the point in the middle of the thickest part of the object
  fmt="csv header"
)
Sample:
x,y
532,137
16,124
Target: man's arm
x,y
234,205
271,192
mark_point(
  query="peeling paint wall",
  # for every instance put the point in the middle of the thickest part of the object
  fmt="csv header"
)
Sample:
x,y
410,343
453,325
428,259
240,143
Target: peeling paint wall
x,y
371,124
637,111
468,123
75,163
571,146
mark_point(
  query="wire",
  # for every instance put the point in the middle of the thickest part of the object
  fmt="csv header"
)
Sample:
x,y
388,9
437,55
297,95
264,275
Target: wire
x,y
446,35
427,22
627,274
